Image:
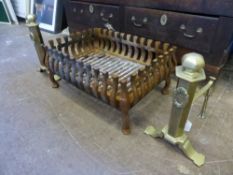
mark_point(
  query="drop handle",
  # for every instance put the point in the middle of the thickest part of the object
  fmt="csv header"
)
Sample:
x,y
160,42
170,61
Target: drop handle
x,y
106,19
134,20
187,35
183,28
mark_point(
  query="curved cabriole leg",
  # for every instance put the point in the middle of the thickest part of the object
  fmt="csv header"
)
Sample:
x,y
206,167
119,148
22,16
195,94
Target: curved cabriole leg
x,y
125,124
43,67
54,82
124,107
49,63
165,90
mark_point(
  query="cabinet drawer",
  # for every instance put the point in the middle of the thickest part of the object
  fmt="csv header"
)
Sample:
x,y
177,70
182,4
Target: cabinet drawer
x,y
189,31
92,15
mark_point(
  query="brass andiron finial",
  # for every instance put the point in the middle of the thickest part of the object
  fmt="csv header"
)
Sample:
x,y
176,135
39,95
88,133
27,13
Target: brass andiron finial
x,y
189,74
37,39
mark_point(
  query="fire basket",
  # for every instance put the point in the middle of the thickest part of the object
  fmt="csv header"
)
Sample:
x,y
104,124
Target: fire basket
x,y
117,68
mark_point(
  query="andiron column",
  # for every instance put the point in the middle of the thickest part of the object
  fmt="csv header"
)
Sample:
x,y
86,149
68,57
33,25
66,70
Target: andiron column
x,y
36,37
189,74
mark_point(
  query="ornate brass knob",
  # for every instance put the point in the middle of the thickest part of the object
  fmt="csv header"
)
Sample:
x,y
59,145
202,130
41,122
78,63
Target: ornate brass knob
x,y
163,20
91,8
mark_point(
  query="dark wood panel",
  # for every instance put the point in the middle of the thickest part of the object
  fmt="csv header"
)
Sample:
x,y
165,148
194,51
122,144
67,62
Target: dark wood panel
x,y
214,17
222,41
145,3
208,7
190,31
93,15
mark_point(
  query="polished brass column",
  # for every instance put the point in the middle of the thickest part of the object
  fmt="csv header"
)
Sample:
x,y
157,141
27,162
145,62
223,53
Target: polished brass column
x,y
37,39
189,74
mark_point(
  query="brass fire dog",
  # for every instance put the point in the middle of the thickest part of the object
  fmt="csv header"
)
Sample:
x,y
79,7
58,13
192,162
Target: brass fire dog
x,y
189,74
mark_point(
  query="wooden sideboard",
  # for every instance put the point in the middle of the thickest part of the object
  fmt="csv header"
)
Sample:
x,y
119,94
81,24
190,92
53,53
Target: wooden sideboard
x,y
204,26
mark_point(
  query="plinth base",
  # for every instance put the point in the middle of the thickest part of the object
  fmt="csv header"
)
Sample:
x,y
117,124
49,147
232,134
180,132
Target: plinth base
x,y
183,143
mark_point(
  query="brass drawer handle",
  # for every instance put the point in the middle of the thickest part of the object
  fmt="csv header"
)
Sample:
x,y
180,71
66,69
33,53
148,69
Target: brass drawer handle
x,y
75,10
144,21
106,19
188,35
183,29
